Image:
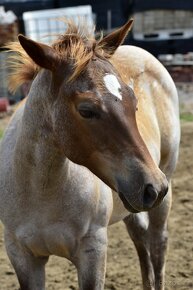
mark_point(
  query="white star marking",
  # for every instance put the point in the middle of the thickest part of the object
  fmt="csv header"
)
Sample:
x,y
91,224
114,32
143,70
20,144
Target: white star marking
x,y
113,86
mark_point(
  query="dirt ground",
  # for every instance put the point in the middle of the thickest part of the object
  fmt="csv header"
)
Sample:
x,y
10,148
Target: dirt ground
x,y
123,266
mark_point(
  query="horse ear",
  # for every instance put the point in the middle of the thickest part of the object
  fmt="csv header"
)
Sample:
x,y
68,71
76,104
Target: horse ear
x,y
42,54
113,40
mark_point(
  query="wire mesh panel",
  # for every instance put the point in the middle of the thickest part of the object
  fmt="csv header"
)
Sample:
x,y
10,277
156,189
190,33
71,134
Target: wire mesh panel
x,y
45,25
3,75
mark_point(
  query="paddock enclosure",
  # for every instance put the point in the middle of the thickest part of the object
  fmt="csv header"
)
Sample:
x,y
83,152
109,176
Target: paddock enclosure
x,y
123,267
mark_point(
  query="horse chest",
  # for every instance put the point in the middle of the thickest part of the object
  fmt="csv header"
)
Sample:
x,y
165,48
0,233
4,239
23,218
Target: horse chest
x,y
56,228
119,211
58,239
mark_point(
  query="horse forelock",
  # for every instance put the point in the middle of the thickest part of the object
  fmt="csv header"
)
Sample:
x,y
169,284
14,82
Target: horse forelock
x,y
77,46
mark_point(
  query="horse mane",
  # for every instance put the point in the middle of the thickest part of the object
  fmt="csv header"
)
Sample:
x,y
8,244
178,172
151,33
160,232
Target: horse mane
x,y
21,67
77,45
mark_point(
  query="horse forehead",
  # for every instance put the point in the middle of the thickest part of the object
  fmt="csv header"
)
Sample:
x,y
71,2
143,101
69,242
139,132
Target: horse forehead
x,y
112,85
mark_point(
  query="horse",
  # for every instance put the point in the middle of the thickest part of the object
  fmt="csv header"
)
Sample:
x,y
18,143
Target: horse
x,y
95,142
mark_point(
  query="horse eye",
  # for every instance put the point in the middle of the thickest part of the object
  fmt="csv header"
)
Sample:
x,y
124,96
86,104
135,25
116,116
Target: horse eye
x,y
88,114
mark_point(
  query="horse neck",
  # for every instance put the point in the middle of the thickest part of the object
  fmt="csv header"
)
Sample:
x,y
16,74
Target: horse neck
x,y
36,153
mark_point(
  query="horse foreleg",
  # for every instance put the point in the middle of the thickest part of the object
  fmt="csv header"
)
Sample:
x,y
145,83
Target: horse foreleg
x,y
137,225
90,260
158,239
30,270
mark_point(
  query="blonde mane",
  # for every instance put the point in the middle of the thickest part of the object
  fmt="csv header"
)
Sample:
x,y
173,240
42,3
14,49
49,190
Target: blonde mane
x,y
77,46
21,67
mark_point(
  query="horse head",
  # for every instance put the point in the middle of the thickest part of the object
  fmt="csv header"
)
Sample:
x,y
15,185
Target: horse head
x,y
93,114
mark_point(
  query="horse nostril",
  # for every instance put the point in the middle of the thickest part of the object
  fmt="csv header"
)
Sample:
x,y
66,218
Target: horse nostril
x,y
150,196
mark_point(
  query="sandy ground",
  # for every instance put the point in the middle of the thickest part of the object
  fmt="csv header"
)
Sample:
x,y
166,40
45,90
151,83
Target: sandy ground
x,y
123,266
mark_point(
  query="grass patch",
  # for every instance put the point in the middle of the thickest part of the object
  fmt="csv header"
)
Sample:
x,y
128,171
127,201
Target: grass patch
x,y
186,117
1,134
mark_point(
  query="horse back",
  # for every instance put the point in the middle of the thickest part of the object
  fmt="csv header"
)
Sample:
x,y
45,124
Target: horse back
x,y
157,110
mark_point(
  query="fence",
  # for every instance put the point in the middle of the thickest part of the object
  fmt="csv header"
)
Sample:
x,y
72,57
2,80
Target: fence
x,y
3,76
45,25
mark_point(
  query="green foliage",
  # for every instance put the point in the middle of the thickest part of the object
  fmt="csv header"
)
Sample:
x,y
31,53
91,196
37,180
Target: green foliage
x,y
186,117
1,134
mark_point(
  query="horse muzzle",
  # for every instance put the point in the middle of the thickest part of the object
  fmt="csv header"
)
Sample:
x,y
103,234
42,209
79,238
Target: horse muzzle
x,y
144,198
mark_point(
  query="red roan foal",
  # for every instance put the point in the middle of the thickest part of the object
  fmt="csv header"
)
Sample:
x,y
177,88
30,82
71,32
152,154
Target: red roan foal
x,y
83,152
